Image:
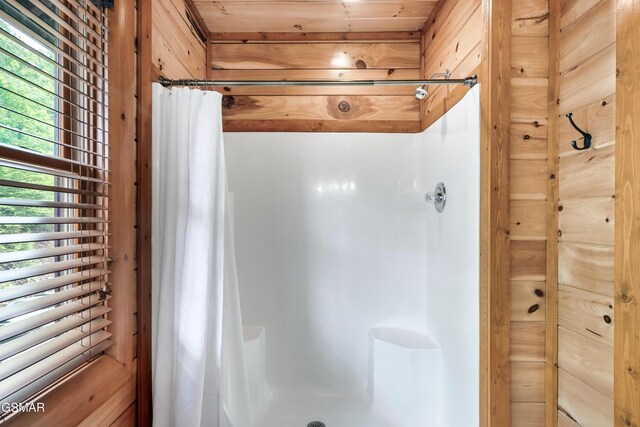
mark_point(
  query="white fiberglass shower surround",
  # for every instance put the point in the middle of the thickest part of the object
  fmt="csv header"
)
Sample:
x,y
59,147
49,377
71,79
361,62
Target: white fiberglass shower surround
x,y
360,302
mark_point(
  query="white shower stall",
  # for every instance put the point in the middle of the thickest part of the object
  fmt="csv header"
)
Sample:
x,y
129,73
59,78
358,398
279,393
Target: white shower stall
x,y
359,301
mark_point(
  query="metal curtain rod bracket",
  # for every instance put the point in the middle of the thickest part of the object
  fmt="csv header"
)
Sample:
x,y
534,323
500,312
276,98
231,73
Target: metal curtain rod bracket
x,y
587,136
467,81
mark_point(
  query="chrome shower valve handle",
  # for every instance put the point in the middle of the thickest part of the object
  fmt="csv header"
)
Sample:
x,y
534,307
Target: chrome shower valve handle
x,y
437,197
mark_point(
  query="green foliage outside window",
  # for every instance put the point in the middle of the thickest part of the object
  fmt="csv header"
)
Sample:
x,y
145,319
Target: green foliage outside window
x,y
27,106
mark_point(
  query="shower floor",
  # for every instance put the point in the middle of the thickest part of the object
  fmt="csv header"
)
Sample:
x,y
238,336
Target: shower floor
x,y
332,412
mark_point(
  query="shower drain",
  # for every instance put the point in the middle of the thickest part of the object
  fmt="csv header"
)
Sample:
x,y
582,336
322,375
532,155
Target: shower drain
x,y
316,424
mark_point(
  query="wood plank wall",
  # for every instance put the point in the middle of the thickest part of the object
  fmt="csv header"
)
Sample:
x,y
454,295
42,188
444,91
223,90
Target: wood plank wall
x,y
627,228
528,208
586,214
178,50
451,38
320,56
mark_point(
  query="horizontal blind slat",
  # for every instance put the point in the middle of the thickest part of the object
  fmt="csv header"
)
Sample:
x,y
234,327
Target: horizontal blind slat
x,y
48,220
48,204
21,308
75,120
52,62
54,235
72,163
77,149
56,373
43,367
59,52
83,56
65,100
61,22
23,325
30,167
37,353
53,126
55,251
42,269
26,289
46,332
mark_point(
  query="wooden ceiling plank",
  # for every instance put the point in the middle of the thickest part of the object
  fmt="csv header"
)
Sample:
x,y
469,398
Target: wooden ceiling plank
x,y
315,25
341,74
283,11
315,56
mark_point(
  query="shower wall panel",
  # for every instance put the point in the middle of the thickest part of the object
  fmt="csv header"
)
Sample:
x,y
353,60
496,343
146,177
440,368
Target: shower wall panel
x,y
334,237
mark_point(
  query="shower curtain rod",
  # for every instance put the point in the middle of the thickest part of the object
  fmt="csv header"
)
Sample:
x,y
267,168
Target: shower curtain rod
x,y
467,81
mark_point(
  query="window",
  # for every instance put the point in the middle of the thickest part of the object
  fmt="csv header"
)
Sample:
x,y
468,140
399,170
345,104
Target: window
x,y
54,288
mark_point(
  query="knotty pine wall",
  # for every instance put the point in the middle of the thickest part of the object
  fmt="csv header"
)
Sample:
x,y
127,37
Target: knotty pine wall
x,y
586,214
527,229
178,50
320,56
451,38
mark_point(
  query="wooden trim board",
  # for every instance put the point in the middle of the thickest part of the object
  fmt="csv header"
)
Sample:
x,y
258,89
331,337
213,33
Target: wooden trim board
x,y
551,333
145,78
627,226
494,214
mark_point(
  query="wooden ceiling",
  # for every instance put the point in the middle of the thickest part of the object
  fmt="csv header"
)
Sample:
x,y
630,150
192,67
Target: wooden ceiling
x,y
239,16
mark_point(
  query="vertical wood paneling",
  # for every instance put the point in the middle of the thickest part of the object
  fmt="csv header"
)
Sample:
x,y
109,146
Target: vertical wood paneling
x,y
122,175
495,98
527,414
551,333
527,382
145,77
586,213
528,194
627,230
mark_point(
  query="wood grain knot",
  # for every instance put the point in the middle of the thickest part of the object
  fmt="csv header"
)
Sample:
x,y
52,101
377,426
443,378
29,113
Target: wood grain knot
x,y
344,106
624,296
538,292
228,102
606,318
533,308
361,64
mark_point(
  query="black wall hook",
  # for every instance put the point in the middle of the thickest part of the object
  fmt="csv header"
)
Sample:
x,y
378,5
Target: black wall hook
x,y
587,136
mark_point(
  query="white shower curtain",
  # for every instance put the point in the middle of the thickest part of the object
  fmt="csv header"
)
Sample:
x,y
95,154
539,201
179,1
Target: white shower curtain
x,y
199,376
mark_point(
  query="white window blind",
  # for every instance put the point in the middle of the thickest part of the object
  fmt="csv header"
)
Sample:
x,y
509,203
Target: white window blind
x,y
54,288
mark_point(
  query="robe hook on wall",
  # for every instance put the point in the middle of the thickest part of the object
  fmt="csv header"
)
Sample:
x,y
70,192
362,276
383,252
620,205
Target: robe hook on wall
x,y
587,136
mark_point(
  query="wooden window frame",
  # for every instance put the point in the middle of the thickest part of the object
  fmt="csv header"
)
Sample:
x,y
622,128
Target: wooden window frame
x,y
98,392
